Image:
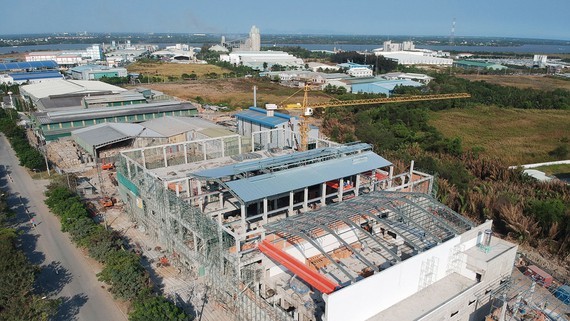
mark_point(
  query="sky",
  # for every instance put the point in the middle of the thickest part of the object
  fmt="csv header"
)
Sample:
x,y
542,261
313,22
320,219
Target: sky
x,y
546,19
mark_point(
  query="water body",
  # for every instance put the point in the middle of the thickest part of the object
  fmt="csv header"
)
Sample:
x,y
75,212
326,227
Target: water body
x,y
526,49
548,49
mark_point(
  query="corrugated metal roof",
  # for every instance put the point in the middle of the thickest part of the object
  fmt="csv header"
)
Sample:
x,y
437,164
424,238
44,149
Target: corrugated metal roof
x,y
65,87
27,65
387,84
259,116
104,134
35,75
94,113
261,186
282,161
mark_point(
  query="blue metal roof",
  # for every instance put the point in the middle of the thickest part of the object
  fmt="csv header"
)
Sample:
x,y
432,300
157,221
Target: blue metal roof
x,y
390,84
259,116
275,162
6,66
261,186
35,75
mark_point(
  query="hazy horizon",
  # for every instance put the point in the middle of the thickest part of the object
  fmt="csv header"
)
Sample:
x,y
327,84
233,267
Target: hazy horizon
x,y
413,18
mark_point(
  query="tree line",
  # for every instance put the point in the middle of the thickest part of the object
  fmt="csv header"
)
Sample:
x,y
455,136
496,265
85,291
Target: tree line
x,y
123,269
29,156
20,299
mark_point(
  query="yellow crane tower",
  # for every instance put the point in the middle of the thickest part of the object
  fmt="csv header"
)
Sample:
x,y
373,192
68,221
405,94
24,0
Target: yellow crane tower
x,y
307,108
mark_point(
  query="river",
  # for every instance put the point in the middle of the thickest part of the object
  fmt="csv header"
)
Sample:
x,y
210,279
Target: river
x,y
523,49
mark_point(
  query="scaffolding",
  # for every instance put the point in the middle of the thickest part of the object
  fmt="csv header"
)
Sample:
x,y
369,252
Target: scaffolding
x,y
527,298
418,219
167,188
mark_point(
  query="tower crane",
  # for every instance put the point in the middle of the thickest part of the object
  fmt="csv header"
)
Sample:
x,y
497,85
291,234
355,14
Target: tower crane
x,y
307,108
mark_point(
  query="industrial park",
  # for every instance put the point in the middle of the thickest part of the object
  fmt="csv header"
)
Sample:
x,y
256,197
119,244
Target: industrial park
x,y
299,200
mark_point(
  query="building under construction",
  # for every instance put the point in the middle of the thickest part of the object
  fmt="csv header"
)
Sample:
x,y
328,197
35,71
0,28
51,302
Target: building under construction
x,y
326,234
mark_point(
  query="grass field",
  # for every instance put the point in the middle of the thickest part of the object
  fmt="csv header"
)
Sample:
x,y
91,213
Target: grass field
x,y
235,92
517,136
521,81
165,69
562,169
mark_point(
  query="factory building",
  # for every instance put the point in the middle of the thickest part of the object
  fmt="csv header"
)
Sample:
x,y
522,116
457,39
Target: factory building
x,y
177,53
424,79
356,70
68,58
66,105
468,64
268,128
385,87
96,72
257,59
28,72
389,46
326,234
415,58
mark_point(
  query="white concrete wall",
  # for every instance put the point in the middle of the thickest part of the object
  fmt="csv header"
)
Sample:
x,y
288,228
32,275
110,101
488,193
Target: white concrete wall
x,y
376,293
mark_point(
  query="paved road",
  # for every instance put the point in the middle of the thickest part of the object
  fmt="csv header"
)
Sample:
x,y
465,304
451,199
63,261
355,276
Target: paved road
x,y
65,271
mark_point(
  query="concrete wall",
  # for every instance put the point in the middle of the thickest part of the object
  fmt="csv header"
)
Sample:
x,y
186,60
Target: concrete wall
x,y
376,293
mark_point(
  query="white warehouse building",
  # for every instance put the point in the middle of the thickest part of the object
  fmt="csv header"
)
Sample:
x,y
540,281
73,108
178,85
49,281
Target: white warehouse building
x,y
256,59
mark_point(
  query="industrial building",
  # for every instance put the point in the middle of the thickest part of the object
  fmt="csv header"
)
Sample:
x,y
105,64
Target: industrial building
x,y
424,79
415,58
381,86
270,128
478,65
389,46
96,72
257,59
251,43
331,233
356,70
66,105
68,58
177,53
28,72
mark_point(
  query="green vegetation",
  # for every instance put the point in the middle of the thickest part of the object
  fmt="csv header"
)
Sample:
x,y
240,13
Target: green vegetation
x,y
378,63
516,136
555,169
115,80
28,155
156,308
502,96
475,181
19,300
300,52
122,269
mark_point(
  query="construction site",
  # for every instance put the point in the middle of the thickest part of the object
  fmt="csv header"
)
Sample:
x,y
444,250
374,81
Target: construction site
x,y
330,233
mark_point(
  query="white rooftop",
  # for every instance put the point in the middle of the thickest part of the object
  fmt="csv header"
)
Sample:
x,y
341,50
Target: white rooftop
x,y
63,87
424,301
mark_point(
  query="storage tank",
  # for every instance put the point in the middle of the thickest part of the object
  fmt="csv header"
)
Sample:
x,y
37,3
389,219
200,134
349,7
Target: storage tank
x,y
487,237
